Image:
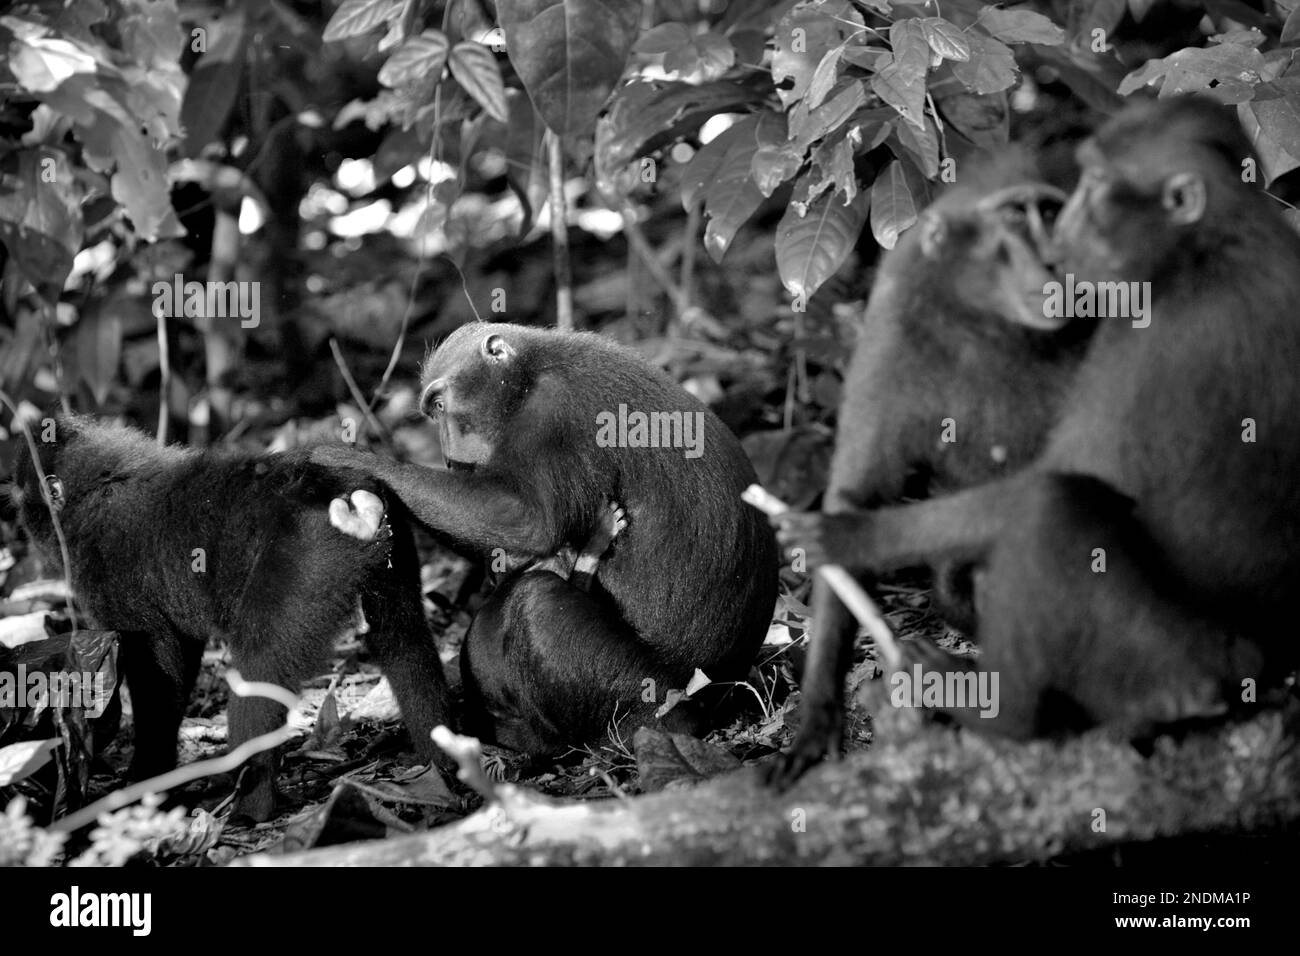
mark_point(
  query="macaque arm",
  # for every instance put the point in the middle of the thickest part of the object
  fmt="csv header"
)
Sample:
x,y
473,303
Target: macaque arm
x,y
470,508
957,527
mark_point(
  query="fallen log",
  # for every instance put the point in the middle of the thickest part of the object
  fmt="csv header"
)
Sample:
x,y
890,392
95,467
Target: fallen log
x,y
931,796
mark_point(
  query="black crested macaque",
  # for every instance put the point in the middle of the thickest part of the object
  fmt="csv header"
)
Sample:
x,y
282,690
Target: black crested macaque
x,y
540,431
956,378
956,375
1145,565
172,546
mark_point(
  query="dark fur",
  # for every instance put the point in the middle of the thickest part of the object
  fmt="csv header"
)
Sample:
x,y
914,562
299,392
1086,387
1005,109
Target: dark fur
x,y
281,582
690,583
1201,531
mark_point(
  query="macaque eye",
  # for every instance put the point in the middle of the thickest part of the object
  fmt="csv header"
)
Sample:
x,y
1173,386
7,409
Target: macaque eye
x,y
432,401
496,348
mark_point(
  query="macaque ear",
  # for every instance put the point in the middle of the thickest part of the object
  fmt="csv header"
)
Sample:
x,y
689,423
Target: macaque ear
x,y
1183,197
497,349
933,234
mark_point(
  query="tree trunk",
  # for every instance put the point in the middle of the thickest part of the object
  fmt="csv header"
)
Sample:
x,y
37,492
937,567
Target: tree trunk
x,y
928,797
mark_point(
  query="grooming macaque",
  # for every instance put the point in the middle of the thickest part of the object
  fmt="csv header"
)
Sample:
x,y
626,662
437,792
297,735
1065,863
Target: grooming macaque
x,y
171,547
1142,567
541,430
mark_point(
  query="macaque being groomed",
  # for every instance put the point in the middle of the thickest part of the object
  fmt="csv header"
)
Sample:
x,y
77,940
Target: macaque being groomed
x,y
170,547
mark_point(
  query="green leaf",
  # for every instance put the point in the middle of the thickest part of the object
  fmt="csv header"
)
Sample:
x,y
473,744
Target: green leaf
x,y
1021,26
665,38
475,68
21,760
902,86
356,17
704,165
99,350
139,172
725,166
803,38
417,58
569,54
922,144
1228,72
991,67
984,120
526,164
708,56
892,207
834,160
40,216
1274,160
809,249
1280,120
1291,28
214,84
647,116
823,79
945,39
808,126
773,165
42,63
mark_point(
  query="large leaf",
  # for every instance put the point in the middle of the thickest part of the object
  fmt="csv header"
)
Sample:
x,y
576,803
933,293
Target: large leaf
x,y
40,217
214,83
807,126
991,67
21,760
984,120
725,166
475,69
1021,26
647,116
945,39
1226,71
40,64
803,37
901,80
811,248
416,59
139,173
99,349
356,17
1275,133
893,208
526,169
569,54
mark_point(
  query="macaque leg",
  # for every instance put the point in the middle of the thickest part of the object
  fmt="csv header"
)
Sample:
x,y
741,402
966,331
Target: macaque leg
x,y
545,665
160,673
400,639
250,717
830,654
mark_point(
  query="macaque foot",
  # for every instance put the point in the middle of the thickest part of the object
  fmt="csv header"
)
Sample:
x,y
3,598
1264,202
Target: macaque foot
x,y
612,523
254,796
820,736
362,518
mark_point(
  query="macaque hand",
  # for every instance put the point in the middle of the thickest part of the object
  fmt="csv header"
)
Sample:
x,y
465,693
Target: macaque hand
x,y
820,538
